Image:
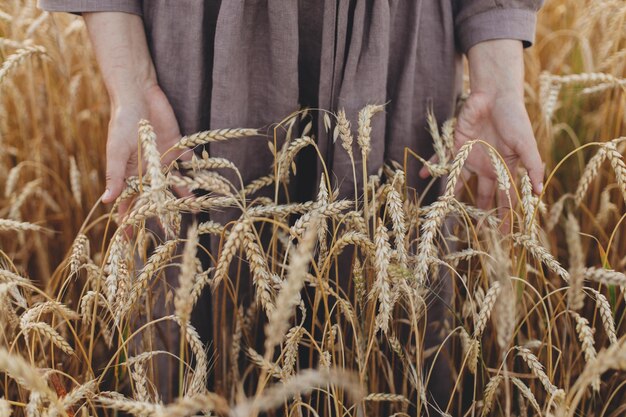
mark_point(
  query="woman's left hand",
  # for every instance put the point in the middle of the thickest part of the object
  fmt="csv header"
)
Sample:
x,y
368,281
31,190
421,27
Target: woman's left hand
x,y
495,112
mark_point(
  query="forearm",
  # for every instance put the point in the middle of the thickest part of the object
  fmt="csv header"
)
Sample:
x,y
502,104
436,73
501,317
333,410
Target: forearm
x,y
497,67
122,52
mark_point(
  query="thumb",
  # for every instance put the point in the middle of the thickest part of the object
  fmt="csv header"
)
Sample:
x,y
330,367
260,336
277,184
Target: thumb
x,y
117,161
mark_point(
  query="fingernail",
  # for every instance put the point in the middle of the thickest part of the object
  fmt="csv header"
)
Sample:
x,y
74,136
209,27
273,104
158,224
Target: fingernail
x,y
539,188
106,195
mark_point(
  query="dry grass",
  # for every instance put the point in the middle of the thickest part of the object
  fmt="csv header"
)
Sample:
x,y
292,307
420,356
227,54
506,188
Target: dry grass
x,y
536,318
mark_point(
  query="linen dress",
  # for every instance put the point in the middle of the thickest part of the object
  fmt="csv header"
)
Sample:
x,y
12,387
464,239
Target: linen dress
x,y
250,63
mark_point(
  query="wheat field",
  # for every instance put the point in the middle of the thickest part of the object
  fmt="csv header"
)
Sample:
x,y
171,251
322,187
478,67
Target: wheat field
x,y
535,310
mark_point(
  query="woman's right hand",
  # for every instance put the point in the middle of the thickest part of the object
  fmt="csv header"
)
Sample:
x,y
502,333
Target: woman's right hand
x,y
119,41
148,103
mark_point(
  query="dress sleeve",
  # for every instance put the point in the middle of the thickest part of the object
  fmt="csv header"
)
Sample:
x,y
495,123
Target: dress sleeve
x,y
481,20
79,6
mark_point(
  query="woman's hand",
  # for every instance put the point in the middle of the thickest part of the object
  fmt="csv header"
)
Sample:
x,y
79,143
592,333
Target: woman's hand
x,y
149,103
122,51
495,112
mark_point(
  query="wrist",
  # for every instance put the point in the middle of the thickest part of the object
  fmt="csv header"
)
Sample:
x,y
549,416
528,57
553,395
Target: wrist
x,y
119,41
131,89
496,68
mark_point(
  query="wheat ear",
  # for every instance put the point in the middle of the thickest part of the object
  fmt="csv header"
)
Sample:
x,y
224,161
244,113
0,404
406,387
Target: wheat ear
x,y
217,135
382,285
188,268
575,294
289,295
585,335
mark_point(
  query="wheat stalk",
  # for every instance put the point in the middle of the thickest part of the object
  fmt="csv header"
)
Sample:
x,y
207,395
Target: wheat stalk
x,y
286,158
232,245
358,239
605,276
136,408
8,225
188,268
344,132
7,276
206,180
382,285
471,350
540,253
260,272
322,212
487,306
75,181
394,202
607,207
538,370
585,335
34,405
138,375
197,384
323,199
206,163
160,255
8,316
491,392
614,357
87,303
365,128
11,181
618,165
5,408
14,60
217,135
589,174
426,249
302,383
603,306
379,397
48,332
270,367
290,353
289,295
85,390
210,227
18,202
282,209
506,313
456,167
24,374
530,225
527,393
32,314
80,253
115,266
192,405
575,295
555,211
502,175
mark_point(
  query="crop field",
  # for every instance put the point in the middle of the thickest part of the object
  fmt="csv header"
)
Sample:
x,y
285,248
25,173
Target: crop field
x,y
387,304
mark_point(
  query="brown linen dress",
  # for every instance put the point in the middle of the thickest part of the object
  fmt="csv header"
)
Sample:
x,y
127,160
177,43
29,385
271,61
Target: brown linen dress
x,y
249,63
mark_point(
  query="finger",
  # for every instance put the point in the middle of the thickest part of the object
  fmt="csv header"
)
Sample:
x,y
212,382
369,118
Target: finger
x,y
486,191
528,152
117,161
424,172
